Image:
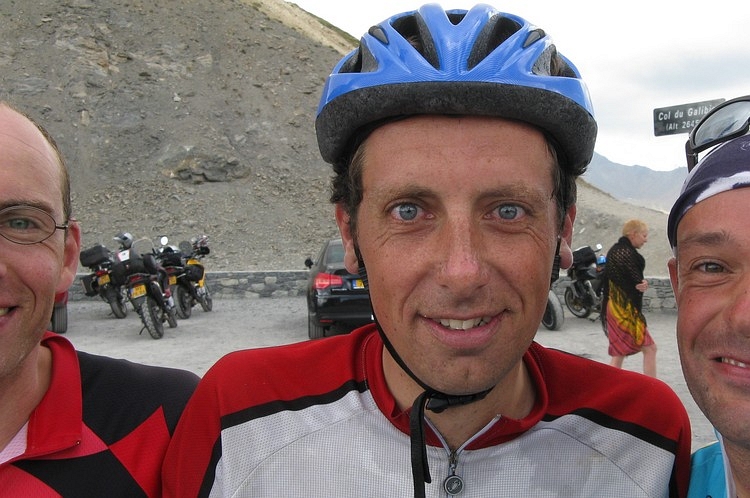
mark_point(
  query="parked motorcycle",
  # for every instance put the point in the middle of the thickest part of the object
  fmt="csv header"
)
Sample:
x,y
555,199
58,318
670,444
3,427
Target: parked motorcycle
x,y
191,285
583,295
99,260
147,286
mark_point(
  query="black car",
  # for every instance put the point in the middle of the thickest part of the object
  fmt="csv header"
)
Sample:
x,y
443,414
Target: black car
x,y
337,301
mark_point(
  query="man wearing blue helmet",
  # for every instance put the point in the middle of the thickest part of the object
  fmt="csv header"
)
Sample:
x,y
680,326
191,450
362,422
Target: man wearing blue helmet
x,y
456,138
710,273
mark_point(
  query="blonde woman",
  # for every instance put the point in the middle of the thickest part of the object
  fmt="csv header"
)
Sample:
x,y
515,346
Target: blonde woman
x,y
626,326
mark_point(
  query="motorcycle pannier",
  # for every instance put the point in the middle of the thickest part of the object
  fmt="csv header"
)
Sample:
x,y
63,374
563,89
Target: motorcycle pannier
x,y
194,272
584,256
94,255
88,284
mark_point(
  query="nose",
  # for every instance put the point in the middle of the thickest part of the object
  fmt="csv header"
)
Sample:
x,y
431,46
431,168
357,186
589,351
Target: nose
x,y
738,311
461,266
3,258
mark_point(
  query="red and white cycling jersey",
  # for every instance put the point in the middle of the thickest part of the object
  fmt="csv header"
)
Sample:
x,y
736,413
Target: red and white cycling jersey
x,y
316,419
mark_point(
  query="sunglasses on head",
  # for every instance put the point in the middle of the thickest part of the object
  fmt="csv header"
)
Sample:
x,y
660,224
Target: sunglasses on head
x,y
723,123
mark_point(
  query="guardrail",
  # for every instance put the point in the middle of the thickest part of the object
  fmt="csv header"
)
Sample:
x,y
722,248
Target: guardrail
x,y
257,284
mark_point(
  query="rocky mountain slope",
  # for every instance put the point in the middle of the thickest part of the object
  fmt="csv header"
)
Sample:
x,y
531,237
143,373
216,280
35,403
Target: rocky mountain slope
x,y
190,117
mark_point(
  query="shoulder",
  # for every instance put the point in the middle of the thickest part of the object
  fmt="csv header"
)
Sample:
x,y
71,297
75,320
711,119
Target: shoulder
x,y
707,457
573,379
707,476
326,362
121,371
105,376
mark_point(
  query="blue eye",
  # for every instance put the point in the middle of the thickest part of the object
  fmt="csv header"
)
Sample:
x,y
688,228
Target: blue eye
x,y
510,211
406,212
20,224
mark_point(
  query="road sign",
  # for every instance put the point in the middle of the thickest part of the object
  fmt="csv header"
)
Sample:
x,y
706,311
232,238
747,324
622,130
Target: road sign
x,y
681,118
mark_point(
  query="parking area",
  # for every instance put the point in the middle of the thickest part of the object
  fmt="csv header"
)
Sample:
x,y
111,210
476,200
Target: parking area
x,y
195,344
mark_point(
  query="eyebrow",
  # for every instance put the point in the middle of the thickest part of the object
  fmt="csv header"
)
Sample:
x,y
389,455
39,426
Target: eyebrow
x,y
7,203
514,190
714,238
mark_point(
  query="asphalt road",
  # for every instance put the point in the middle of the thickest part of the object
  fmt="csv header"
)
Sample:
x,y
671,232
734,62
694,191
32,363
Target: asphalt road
x,y
196,343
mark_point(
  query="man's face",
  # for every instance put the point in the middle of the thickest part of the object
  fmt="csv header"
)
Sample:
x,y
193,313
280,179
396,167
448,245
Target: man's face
x,y
457,229
30,275
711,280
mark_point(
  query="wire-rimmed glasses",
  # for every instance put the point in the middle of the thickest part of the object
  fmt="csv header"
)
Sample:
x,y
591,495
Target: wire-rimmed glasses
x,y
27,225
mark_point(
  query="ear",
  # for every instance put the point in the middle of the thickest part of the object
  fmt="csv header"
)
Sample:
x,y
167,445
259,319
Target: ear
x,y
673,278
70,257
344,223
566,238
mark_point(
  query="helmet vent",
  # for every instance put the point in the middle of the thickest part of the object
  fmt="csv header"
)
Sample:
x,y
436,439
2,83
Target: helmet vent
x,y
361,61
495,32
417,33
550,63
456,17
353,64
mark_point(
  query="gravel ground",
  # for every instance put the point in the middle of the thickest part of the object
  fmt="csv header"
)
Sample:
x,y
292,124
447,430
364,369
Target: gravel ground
x,y
198,342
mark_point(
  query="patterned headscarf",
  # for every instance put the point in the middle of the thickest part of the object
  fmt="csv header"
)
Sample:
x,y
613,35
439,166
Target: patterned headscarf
x,y
726,168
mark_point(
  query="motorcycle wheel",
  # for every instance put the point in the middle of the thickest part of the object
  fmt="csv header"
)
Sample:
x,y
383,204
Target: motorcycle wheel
x,y
150,316
553,318
207,302
575,304
59,323
183,302
117,302
171,316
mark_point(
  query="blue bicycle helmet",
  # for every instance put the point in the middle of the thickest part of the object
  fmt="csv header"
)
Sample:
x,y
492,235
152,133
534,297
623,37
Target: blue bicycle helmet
x,y
476,62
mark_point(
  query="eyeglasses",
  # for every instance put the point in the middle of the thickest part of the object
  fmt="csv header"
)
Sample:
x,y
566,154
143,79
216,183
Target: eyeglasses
x,y
723,123
27,225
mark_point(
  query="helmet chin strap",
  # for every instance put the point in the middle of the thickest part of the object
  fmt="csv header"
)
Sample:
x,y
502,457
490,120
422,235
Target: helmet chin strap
x,y
431,398
556,263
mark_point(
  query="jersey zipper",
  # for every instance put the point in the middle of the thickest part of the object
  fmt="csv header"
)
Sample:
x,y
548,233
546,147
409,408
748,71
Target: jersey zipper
x,y
453,485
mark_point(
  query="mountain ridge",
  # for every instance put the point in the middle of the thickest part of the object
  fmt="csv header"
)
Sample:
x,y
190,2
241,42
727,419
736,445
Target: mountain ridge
x,y
198,117
635,184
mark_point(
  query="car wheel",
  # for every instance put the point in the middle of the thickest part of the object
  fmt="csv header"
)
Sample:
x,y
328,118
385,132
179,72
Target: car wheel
x,y
314,329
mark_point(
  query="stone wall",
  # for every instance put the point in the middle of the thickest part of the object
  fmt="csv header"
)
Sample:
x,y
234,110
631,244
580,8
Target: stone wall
x,y
251,285
239,284
659,295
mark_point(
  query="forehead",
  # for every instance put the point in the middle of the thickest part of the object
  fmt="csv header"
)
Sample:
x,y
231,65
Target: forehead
x,y
725,212
29,168
463,145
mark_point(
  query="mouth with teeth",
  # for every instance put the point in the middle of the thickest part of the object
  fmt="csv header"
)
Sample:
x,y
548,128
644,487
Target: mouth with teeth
x,y
464,324
4,311
733,362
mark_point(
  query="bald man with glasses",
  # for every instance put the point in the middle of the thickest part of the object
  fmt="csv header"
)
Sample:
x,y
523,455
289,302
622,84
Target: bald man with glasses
x,y
71,424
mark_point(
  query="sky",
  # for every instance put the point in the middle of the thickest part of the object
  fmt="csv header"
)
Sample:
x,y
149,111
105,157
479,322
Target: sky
x,y
635,56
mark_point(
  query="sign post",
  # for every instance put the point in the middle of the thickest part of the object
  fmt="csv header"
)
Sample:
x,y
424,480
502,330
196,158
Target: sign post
x,y
681,118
